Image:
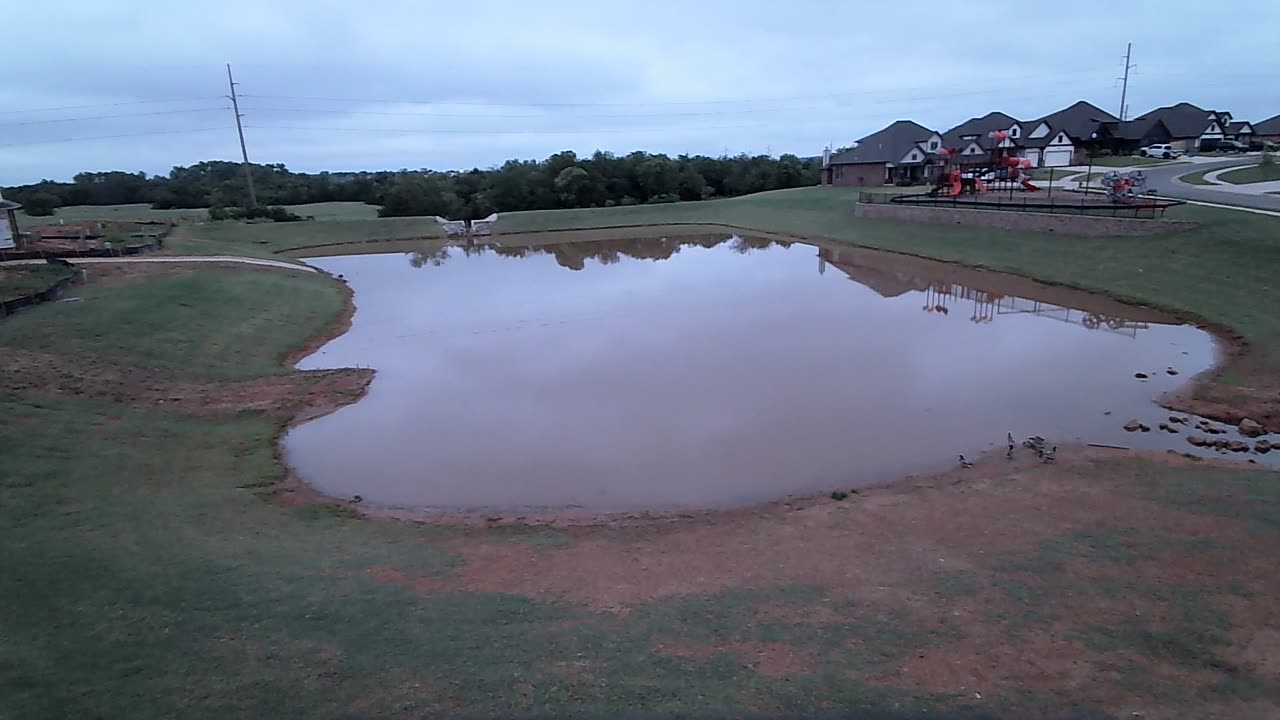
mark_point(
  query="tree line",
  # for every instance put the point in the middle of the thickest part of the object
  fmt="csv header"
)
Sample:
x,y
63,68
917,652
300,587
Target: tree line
x,y
563,180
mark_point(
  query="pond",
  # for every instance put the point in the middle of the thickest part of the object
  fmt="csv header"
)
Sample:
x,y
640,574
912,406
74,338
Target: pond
x,y
696,371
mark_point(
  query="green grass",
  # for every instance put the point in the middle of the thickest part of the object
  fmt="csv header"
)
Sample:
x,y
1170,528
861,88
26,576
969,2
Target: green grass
x,y
122,213
144,212
1197,178
268,239
1252,174
19,280
213,323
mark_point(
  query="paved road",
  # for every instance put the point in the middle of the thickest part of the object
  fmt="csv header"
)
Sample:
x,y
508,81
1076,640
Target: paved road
x,y
1164,180
181,259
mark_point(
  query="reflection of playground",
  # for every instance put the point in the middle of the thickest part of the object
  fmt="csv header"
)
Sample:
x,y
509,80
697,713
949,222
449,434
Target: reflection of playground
x,y
984,296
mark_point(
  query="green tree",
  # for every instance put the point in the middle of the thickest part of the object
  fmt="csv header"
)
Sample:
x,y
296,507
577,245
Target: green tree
x,y
40,204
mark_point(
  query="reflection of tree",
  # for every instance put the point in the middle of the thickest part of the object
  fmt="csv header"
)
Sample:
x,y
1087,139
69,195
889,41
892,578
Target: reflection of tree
x,y
574,255
434,258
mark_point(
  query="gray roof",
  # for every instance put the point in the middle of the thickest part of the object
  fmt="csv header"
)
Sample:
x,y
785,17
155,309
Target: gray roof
x,y
1270,126
1078,121
979,126
1135,129
1238,127
887,145
1184,120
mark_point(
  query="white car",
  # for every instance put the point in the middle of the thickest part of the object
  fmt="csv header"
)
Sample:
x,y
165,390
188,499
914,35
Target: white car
x,y
1168,152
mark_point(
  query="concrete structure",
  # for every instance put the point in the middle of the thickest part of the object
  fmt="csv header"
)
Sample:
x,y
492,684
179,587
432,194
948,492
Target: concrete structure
x,y
8,223
1065,224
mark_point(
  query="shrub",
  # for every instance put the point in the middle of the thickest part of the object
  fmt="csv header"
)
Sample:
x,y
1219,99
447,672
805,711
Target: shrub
x,y
663,198
40,204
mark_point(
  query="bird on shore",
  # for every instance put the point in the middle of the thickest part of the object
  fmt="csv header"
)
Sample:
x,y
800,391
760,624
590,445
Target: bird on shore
x,y
965,463
356,499
1050,455
1009,454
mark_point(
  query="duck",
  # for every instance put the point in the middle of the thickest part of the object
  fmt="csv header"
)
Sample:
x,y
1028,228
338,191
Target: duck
x,y
1009,454
1050,455
965,463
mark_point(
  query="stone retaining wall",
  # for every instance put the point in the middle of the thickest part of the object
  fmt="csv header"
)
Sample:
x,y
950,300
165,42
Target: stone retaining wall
x,y
1081,225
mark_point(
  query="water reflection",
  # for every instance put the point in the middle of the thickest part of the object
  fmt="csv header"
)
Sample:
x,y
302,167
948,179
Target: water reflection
x,y
982,304
710,370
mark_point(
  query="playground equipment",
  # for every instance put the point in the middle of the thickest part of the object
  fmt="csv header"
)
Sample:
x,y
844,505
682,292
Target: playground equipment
x,y
1124,189
1018,172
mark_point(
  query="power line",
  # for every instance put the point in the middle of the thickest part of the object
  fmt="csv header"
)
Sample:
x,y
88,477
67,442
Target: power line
x,y
108,117
470,131
98,105
113,137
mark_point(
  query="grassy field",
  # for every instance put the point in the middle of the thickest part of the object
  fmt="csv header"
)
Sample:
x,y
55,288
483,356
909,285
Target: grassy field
x,y
1252,174
19,280
144,212
267,239
155,569
122,213
148,575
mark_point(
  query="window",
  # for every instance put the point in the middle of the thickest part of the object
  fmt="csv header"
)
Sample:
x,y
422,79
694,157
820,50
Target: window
x,y
1013,131
839,172
933,144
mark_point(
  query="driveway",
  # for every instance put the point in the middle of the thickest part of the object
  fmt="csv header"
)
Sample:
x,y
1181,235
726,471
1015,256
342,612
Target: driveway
x,y
1165,181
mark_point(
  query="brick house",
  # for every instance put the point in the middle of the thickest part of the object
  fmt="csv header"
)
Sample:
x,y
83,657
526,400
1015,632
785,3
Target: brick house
x,y
1187,124
904,150
1267,130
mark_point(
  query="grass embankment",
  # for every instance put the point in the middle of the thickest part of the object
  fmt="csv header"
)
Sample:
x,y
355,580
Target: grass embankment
x,y
268,239
147,574
142,212
1252,174
19,280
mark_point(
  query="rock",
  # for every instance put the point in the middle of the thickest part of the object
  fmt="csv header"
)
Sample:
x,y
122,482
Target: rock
x,y
1171,371
1171,429
1179,420
1144,427
1132,425
1238,446
1141,376
1220,443
1198,440
1263,446
1249,428
1164,426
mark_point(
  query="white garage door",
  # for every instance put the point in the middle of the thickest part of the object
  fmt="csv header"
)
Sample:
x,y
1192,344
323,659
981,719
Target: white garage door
x,y
1057,157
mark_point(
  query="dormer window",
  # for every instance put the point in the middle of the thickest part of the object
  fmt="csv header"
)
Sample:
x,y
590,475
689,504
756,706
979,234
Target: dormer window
x,y
1013,131
933,144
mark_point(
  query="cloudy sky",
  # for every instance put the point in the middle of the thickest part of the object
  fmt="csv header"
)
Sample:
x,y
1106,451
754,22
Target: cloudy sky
x,y
140,85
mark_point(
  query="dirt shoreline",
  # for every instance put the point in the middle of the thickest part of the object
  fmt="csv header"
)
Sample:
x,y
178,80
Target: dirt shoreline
x,y
1230,348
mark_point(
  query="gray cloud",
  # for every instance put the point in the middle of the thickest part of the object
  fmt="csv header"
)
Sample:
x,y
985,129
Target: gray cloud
x,y
430,84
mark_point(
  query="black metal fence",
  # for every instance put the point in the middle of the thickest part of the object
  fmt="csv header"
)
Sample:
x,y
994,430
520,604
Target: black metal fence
x,y
1063,202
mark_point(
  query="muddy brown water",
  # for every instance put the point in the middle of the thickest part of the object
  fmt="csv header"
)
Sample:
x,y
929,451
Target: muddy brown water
x,y
712,371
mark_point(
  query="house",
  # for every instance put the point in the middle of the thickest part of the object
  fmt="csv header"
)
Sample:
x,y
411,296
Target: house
x,y
1065,137
903,151
1126,138
973,141
1268,129
1241,131
1188,124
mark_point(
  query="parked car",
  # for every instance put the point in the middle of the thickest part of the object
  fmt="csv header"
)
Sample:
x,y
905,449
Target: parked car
x,y
1231,146
1263,146
1168,152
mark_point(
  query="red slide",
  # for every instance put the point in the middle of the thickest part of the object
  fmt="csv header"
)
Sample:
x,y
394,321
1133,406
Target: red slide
x,y
1026,184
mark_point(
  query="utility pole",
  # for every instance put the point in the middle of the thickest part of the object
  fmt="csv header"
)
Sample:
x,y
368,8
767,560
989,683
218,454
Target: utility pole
x,y
235,105
1124,91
